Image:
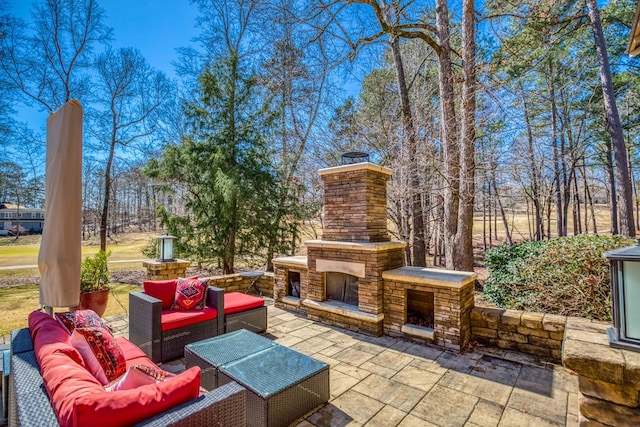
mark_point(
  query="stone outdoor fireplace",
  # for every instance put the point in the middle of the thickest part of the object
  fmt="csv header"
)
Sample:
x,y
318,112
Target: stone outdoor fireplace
x,y
354,276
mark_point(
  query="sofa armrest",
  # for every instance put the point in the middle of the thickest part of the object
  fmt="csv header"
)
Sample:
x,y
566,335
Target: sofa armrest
x,y
215,299
145,324
21,341
224,406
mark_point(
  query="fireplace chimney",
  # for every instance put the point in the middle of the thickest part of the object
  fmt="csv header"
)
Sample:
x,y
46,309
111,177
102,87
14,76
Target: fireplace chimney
x,y
355,203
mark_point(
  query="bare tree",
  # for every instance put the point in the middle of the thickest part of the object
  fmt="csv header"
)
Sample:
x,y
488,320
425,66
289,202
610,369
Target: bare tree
x,y
49,61
627,226
458,135
129,94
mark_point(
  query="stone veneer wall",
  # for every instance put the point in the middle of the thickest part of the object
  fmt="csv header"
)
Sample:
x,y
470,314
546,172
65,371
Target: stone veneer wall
x,y
609,378
237,283
355,203
532,333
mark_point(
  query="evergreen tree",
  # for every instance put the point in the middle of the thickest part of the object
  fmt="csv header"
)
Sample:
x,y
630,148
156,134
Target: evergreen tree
x,y
223,164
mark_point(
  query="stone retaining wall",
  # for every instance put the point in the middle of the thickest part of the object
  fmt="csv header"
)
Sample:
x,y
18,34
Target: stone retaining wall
x,y
532,333
237,283
609,378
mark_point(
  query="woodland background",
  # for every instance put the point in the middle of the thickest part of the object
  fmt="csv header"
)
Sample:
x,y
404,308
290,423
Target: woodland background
x,y
491,114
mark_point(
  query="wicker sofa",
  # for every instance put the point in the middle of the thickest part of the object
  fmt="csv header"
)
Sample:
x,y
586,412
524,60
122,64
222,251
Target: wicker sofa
x,y
30,404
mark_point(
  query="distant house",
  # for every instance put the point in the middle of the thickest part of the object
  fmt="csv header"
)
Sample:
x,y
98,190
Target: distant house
x,y
30,221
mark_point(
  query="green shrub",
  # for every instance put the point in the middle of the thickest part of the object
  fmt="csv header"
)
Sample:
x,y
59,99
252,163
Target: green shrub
x,y
566,275
94,274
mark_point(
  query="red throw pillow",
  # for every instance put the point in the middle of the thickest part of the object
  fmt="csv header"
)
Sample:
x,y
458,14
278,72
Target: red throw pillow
x,y
80,319
190,294
100,352
137,376
164,290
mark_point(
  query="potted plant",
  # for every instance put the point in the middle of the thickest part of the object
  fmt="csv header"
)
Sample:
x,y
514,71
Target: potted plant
x,y
94,276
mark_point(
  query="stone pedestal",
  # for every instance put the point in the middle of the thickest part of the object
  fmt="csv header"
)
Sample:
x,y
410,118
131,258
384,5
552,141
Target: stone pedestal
x,y
609,378
157,270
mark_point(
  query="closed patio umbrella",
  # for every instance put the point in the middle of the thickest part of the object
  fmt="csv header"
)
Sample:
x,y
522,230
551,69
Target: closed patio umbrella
x,y
59,258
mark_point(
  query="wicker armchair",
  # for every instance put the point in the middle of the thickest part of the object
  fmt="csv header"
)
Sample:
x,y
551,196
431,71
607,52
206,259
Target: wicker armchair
x,y
145,328
29,403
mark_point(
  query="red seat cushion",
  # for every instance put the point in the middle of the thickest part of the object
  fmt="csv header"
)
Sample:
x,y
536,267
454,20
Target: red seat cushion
x,y
173,319
164,290
235,302
129,350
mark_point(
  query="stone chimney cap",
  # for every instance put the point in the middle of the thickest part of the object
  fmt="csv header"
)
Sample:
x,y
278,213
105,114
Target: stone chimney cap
x,y
355,167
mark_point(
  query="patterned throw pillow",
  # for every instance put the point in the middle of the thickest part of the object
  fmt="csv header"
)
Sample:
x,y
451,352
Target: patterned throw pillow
x,y
80,319
191,294
137,376
101,353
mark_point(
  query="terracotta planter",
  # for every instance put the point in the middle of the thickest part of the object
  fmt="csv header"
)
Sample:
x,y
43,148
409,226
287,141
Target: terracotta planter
x,y
96,301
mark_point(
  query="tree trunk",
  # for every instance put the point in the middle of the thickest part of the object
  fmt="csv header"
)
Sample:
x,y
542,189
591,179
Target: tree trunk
x,y
467,149
419,258
459,165
556,154
535,181
502,213
627,226
449,135
577,214
614,192
104,218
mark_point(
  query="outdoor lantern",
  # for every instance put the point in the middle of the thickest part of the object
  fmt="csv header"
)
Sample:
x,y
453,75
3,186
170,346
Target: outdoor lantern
x,y
165,243
625,297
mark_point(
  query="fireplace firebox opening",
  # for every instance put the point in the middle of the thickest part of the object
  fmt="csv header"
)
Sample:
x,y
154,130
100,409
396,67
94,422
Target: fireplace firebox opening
x,y
342,287
293,283
420,308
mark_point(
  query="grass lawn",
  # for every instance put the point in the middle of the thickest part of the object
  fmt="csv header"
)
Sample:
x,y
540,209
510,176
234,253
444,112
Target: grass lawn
x,y
16,303
25,250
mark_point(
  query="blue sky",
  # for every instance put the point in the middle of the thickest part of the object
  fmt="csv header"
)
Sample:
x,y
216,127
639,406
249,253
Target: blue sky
x,y
155,27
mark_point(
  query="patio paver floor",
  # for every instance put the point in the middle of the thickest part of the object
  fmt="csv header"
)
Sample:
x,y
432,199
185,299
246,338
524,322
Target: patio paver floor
x,y
385,381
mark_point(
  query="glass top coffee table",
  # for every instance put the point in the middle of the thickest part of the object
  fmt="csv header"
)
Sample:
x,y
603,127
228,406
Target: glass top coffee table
x,y
282,384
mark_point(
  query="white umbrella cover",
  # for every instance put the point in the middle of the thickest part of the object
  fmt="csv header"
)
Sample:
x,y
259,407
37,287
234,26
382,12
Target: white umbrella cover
x,y
59,258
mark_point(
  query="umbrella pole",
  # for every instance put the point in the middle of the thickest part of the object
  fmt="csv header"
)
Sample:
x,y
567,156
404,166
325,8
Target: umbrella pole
x,y
49,310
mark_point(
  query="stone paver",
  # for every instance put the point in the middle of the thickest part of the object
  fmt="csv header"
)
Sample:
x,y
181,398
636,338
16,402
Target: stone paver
x,y
444,406
386,381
